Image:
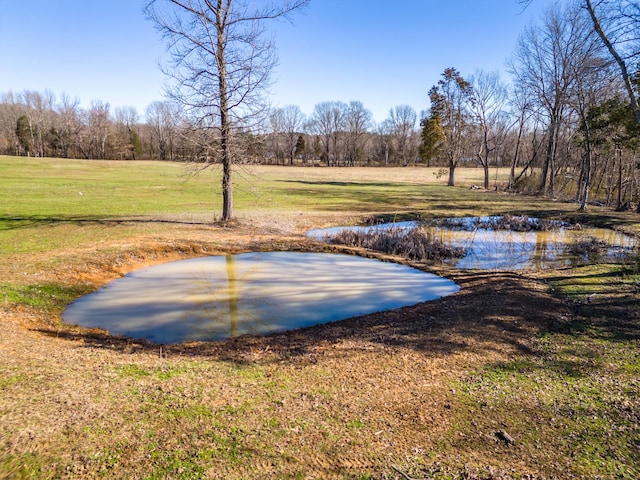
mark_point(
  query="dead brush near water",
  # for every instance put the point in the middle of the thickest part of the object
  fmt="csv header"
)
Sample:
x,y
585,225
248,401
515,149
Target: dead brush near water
x,y
519,223
594,251
515,223
415,243
588,246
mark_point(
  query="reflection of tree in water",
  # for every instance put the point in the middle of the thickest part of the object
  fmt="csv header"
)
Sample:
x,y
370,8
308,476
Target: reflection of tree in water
x,y
535,244
542,254
221,312
516,250
498,249
234,290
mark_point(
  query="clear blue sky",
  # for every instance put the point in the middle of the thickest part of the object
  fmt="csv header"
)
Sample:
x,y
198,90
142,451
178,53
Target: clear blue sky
x,y
380,52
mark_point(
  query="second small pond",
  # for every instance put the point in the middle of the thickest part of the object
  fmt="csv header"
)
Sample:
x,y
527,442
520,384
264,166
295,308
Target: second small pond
x,y
484,243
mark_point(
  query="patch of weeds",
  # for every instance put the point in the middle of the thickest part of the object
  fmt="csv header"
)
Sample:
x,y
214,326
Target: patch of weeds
x,y
191,412
514,223
164,372
249,371
518,223
590,250
132,370
109,458
323,392
178,464
501,380
233,410
587,246
168,372
46,296
11,380
355,424
229,446
27,465
363,476
272,423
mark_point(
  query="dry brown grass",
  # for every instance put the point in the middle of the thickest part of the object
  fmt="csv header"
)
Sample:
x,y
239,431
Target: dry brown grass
x,y
334,400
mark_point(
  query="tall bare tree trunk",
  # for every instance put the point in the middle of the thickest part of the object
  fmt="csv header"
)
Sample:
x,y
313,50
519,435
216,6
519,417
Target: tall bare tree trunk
x,y
227,184
587,172
619,199
452,171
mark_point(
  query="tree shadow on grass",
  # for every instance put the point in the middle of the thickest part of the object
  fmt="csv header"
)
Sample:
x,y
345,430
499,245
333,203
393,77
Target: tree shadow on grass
x,y
353,184
17,222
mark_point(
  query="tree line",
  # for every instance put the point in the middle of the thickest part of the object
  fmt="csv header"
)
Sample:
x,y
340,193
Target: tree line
x,y
40,124
568,121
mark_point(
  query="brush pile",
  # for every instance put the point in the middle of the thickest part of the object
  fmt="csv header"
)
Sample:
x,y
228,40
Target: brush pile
x,y
415,243
514,223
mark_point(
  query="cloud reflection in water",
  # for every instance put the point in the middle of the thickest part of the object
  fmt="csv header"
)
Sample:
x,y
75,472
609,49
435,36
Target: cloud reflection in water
x,y
213,298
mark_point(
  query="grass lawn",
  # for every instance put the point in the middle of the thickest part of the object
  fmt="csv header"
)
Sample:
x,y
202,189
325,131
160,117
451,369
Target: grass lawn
x,y
519,375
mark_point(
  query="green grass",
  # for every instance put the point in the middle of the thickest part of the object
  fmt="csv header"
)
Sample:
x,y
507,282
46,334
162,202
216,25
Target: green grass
x,y
47,296
51,204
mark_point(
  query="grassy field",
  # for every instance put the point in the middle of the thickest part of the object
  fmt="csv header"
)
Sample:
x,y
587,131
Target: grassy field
x,y
519,375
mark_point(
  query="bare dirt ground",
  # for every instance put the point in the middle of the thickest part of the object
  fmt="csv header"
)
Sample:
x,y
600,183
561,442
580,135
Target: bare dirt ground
x,y
370,394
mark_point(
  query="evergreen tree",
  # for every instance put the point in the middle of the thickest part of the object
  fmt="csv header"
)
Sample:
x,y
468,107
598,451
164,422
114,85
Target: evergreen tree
x,y
433,138
24,133
301,146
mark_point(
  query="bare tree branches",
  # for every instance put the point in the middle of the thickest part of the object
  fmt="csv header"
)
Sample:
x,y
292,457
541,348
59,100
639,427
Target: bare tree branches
x,y
221,61
624,20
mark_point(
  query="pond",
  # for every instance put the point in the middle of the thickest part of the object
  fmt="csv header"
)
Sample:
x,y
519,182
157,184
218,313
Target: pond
x,y
215,298
488,248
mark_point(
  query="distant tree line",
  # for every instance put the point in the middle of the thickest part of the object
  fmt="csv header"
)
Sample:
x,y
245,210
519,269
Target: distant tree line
x,y
335,134
567,122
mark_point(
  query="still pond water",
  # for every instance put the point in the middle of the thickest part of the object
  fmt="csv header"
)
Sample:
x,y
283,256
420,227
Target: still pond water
x,y
214,298
486,248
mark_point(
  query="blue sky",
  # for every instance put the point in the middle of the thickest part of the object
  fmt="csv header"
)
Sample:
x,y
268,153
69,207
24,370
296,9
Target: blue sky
x,y
380,52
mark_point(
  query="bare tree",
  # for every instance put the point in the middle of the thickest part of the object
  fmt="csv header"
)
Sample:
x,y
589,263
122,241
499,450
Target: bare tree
x,y
127,141
358,123
590,88
221,64
383,132
526,128
287,122
546,62
293,122
328,121
617,23
162,117
98,129
69,126
39,109
490,97
276,120
10,111
402,121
